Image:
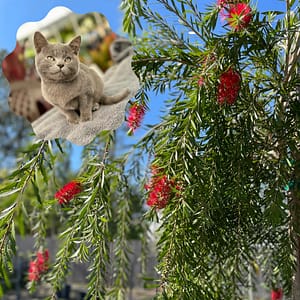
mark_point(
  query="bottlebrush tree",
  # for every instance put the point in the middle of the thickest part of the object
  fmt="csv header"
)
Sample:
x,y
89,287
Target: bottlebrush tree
x,y
223,164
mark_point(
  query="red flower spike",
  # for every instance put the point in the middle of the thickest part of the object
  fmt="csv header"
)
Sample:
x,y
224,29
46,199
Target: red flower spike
x,y
277,294
38,266
33,271
136,114
238,16
46,255
68,192
42,261
229,86
160,189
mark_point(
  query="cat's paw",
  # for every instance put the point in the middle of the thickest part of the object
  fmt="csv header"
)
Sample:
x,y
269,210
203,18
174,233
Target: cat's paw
x,y
85,118
96,106
73,120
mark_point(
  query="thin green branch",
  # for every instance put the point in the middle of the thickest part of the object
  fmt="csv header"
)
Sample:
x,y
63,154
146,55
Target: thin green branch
x,y
19,199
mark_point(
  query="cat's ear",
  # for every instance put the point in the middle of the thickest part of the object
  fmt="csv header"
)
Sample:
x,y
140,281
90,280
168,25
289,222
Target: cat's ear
x,y
75,44
39,41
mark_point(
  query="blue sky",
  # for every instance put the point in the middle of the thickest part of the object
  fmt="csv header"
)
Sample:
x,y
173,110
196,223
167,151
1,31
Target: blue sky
x,y
14,13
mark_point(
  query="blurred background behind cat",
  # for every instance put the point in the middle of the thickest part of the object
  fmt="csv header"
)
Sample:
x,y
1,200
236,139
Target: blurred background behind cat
x,y
18,67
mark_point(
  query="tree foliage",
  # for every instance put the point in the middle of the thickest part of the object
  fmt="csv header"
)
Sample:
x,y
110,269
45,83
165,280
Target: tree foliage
x,y
233,168
234,161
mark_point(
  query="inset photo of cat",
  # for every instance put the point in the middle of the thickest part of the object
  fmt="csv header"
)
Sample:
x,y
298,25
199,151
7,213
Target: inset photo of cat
x,y
70,76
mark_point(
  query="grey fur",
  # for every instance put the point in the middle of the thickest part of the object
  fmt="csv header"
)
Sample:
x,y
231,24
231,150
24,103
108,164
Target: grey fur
x,y
73,87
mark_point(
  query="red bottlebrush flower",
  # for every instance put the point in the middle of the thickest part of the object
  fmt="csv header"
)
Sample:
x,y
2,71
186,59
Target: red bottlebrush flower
x,y
136,114
67,192
33,271
160,189
42,261
160,192
38,266
229,86
238,15
277,294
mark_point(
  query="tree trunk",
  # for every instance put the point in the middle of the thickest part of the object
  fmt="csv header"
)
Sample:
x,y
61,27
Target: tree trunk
x,y
296,283
295,213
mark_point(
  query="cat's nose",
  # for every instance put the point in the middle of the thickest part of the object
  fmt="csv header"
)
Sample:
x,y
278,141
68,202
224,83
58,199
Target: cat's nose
x,y
60,65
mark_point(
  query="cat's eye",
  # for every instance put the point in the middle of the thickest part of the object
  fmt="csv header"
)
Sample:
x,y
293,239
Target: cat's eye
x,y
67,59
49,57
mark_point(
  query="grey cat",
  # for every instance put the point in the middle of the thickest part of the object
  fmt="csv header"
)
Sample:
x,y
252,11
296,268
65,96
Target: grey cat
x,y
73,87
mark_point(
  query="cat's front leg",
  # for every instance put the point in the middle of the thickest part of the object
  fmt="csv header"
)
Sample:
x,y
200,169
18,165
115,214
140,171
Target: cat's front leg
x,y
85,108
71,115
70,110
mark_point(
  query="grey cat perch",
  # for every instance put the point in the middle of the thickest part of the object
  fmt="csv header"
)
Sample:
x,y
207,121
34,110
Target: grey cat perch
x,y
53,124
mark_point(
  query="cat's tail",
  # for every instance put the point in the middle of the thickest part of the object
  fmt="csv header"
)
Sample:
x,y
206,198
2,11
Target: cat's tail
x,y
115,98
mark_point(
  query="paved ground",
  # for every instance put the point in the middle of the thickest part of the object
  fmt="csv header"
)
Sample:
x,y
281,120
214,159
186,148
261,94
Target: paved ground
x,y
137,294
